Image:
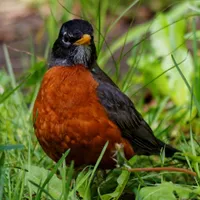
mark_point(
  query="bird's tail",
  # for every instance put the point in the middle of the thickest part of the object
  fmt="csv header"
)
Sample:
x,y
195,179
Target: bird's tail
x,y
169,150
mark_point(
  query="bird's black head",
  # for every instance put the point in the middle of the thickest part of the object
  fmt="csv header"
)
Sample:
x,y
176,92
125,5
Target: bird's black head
x,y
74,45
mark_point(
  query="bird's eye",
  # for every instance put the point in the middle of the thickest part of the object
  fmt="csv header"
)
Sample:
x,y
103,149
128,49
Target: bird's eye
x,y
65,40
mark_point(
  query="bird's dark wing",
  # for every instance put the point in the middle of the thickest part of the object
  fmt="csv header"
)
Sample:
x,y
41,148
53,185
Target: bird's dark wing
x,y
122,112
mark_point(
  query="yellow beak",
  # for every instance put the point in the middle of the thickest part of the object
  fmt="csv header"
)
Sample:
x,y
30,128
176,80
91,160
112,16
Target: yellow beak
x,y
85,40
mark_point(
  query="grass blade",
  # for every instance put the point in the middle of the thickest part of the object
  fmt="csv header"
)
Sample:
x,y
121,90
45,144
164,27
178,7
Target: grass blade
x,y
69,178
187,84
58,164
87,193
41,189
11,147
2,174
9,66
8,93
122,14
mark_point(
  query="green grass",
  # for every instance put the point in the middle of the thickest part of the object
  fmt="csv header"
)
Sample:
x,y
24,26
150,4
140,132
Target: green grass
x,y
158,61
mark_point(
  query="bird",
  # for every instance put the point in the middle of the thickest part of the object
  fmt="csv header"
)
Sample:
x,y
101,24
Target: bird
x,y
79,107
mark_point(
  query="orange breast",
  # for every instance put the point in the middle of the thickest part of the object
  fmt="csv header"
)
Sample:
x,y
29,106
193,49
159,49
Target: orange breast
x,y
67,114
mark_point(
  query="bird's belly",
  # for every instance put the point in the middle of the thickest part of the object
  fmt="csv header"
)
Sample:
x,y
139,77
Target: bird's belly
x,y
85,137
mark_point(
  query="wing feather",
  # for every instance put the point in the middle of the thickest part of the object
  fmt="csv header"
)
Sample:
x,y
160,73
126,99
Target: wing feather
x,y
122,112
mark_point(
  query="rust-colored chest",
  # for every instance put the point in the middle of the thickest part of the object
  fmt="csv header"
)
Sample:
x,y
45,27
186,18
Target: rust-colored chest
x,y
68,114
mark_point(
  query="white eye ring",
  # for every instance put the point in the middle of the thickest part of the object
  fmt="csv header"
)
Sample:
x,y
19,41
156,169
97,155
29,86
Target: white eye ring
x,y
67,43
65,33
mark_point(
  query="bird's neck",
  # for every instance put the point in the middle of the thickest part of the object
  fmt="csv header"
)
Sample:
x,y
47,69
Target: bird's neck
x,y
58,61
82,56
70,62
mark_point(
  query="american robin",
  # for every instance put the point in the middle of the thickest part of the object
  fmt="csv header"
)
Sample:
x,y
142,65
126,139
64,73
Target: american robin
x,y
79,107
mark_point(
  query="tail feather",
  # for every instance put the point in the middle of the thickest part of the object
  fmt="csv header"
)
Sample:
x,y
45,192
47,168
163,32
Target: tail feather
x,y
169,150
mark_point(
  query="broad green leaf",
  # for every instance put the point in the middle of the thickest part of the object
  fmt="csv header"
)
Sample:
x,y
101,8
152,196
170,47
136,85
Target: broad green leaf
x,y
121,183
81,182
166,191
38,176
150,68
